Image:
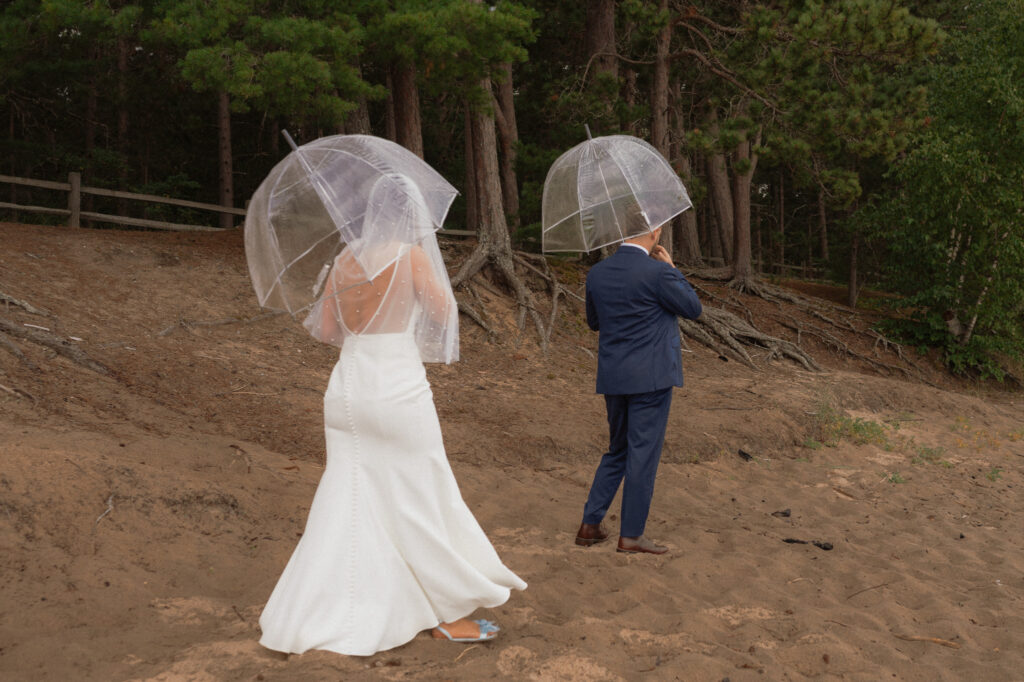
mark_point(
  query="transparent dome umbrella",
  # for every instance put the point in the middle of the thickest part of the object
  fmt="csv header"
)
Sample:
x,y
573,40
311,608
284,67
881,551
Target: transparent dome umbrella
x,y
312,205
607,189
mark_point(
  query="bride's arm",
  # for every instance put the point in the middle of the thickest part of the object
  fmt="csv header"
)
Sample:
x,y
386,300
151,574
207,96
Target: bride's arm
x,y
435,298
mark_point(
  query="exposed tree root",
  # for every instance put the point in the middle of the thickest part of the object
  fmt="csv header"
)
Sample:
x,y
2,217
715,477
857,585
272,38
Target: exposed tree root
x,y
486,253
839,346
17,392
725,333
833,315
475,313
9,300
55,343
746,285
10,347
556,288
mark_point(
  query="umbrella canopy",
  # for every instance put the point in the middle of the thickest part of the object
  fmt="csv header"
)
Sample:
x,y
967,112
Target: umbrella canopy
x,y
314,203
605,190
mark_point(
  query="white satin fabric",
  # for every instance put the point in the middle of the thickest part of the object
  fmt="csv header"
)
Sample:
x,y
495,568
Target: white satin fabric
x,y
390,548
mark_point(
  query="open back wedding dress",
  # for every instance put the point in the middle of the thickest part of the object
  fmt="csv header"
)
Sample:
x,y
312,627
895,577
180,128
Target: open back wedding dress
x,y
390,548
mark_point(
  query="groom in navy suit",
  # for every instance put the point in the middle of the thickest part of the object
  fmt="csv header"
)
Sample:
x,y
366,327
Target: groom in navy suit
x,y
633,300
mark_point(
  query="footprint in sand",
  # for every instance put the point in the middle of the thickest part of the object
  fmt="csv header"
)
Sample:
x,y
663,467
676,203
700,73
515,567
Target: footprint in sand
x,y
737,615
679,641
525,541
195,610
518,662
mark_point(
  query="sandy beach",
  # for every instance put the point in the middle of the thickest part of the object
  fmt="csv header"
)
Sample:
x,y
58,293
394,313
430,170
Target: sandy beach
x,y
146,512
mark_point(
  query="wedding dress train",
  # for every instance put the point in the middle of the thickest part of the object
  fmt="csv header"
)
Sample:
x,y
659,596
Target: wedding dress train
x,y
390,548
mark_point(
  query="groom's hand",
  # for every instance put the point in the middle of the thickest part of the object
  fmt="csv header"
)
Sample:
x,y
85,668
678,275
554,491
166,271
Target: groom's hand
x,y
659,253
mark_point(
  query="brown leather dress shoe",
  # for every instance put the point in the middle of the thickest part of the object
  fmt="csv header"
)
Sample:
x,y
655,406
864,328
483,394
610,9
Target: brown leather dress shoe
x,y
590,534
640,545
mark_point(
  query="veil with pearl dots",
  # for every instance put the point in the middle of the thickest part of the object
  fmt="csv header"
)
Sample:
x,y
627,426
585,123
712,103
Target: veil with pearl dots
x,y
391,278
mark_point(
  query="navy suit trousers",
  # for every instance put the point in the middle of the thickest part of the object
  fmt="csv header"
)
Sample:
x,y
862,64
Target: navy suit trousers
x,y
636,425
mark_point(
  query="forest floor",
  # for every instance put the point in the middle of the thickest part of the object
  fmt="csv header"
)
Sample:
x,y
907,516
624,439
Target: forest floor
x,y
145,515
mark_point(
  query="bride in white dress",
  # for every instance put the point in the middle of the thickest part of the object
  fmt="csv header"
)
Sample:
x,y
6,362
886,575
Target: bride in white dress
x,y
390,548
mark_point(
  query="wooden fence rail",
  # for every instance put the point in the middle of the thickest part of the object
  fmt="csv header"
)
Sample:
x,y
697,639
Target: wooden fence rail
x,y
75,214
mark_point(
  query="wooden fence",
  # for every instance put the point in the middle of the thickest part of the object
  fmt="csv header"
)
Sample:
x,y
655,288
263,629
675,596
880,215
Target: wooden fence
x,y
75,214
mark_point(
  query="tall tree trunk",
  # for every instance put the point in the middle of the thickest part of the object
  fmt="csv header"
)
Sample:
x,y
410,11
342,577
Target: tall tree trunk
x,y
122,121
688,243
275,138
494,246
493,227
659,105
712,232
782,222
628,95
823,225
600,39
508,134
600,46
853,286
472,204
746,159
13,158
227,186
91,108
703,233
758,252
721,197
408,125
390,127
357,121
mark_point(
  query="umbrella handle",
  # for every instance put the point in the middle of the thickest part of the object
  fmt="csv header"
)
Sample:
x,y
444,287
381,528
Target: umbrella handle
x,y
291,142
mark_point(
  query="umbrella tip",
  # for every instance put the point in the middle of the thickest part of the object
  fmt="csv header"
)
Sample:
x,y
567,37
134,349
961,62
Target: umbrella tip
x,y
289,138
587,128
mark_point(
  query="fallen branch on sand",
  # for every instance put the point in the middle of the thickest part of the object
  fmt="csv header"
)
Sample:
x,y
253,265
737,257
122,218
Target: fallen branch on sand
x,y
866,589
933,640
44,338
110,508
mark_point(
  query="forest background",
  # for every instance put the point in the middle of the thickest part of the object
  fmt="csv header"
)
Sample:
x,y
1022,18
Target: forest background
x,y
872,142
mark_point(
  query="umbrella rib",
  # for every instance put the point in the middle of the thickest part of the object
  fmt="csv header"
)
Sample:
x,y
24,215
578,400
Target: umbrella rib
x,y
579,211
276,252
284,269
629,182
605,183
381,166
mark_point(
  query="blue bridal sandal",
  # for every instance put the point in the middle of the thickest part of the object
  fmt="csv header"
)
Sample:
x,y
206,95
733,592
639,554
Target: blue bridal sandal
x,y
488,631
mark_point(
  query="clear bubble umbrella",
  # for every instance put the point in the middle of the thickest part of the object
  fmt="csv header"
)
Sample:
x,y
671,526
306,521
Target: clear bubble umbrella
x,y
605,190
312,205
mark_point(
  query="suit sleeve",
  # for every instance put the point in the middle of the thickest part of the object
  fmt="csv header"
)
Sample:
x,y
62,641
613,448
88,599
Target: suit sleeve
x,y
676,294
592,320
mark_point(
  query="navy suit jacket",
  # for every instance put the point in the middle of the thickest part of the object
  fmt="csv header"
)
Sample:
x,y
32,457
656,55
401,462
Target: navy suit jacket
x,y
632,302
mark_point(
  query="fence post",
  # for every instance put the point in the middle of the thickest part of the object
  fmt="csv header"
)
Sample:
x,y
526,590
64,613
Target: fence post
x,y
75,199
